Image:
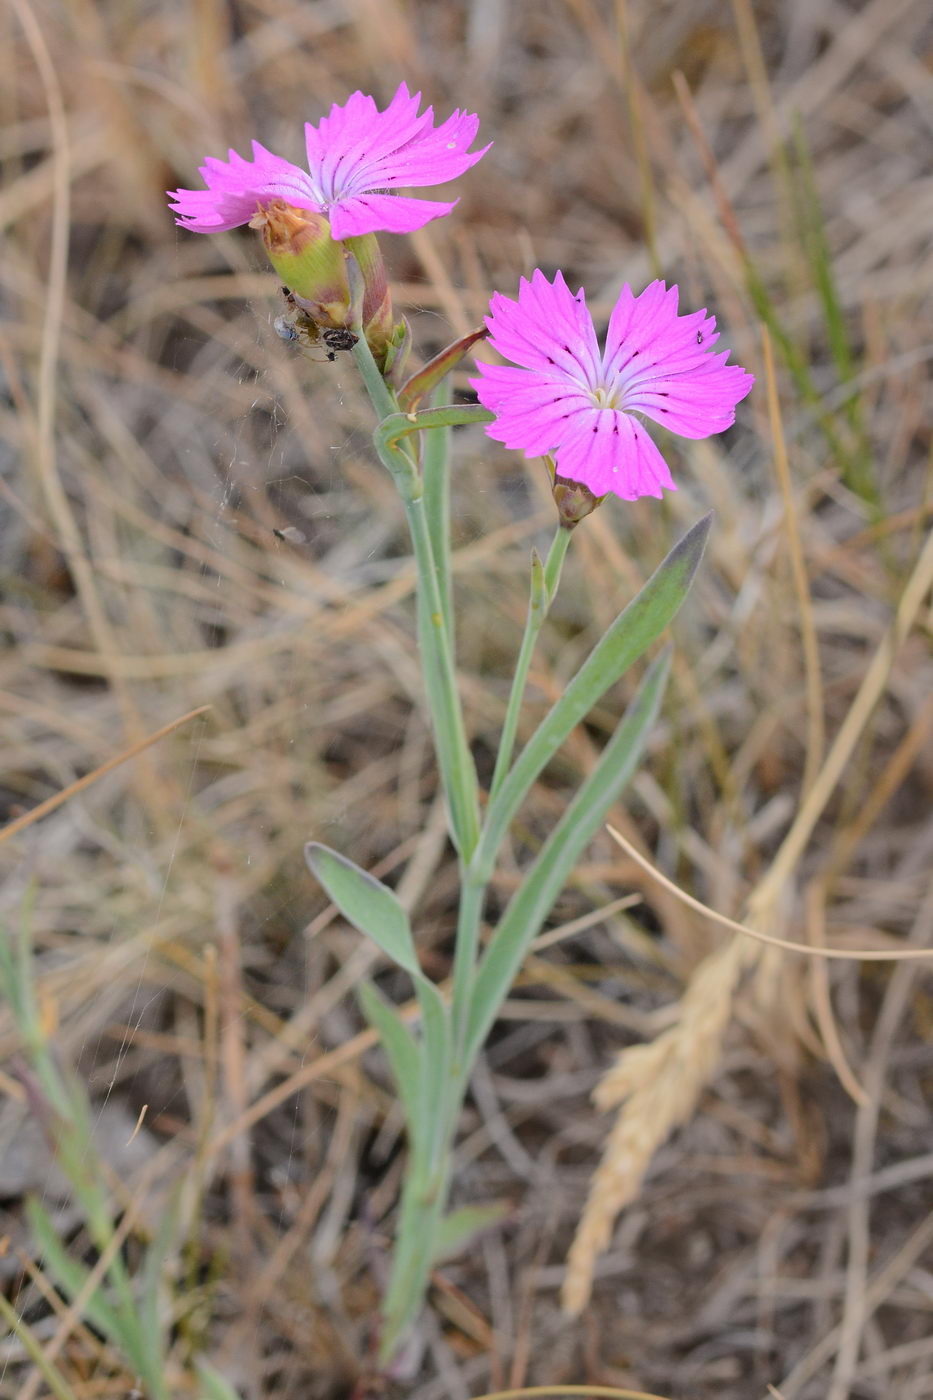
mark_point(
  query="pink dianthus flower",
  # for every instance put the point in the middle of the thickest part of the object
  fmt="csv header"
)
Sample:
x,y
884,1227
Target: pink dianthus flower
x,y
356,155
565,397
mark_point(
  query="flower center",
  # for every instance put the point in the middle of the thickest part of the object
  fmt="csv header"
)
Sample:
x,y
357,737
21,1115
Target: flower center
x,y
604,397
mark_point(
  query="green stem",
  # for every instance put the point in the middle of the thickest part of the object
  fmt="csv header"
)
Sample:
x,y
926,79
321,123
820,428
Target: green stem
x,y
456,762
458,771
436,473
466,947
544,582
381,396
424,1198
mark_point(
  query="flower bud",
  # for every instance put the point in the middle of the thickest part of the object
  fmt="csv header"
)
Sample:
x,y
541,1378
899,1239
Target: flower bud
x,y
377,317
314,266
574,501
306,259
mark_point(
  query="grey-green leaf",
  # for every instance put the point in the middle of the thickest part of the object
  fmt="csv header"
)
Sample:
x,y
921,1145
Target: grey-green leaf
x,y
460,1227
436,1055
534,899
214,1386
633,631
401,1049
368,904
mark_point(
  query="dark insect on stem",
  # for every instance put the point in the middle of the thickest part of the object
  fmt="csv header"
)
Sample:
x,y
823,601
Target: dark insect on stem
x,y
339,339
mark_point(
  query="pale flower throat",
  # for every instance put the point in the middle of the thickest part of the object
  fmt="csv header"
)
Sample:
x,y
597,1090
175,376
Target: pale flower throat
x,y
604,397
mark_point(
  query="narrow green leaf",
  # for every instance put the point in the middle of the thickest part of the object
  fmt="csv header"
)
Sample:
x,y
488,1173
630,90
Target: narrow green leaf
x,y
457,1229
633,631
858,465
534,899
816,246
396,426
368,904
213,1385
436,1055
150,1279
400,1048
71,1276
430,375
36,1352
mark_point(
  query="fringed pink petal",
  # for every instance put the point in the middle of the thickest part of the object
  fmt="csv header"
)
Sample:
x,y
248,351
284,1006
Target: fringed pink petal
x,y
609,451
532,413
659,364
235,187
375,213
358,150
547,329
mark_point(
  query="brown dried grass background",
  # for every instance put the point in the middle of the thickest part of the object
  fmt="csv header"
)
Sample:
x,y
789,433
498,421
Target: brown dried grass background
x,y
154,434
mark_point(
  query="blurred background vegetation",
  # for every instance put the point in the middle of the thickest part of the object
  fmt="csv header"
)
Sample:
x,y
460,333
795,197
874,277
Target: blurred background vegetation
x,y
190,515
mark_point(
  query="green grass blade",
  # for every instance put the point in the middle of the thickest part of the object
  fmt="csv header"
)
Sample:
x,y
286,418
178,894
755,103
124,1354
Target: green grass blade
x,y
150,1283
858,465
71,1277
52,1376
535,898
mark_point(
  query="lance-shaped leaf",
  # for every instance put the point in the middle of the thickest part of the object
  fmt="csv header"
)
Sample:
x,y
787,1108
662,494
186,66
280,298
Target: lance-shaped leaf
x,y
420,1068
430,375
396,426
401,1049
461,1227
633,631
367,903
436,1056
534,899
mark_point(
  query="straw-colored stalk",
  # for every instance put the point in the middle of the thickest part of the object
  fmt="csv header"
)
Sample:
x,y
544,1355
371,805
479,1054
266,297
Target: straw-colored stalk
x,y
657,1085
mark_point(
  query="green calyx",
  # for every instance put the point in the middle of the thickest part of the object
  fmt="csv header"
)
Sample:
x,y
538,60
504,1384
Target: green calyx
x,y
313,265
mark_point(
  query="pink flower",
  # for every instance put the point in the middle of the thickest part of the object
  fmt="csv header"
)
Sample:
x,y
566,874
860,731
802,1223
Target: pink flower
x,y
585,407
356,156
